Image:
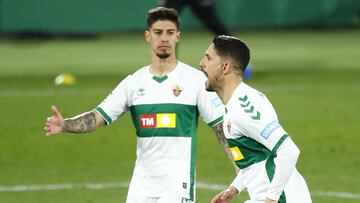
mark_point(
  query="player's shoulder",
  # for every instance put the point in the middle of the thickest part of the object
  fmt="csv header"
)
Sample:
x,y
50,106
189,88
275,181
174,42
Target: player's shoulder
x,y
134,78
191,72
140,72
246,96
252,100
245,89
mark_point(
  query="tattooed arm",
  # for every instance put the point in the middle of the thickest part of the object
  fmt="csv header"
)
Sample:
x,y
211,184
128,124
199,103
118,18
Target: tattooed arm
x,y
83,123
222,141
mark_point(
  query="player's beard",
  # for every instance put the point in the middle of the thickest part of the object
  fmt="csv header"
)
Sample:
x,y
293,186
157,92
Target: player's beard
x,y
213,84
208,86
207,82
163,55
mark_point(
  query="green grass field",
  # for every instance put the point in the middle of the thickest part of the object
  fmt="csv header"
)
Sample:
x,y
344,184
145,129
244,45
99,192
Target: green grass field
x,y
311,77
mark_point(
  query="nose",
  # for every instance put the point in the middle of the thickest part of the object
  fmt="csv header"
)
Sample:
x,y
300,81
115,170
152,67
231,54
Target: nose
x,y
164,38
201,64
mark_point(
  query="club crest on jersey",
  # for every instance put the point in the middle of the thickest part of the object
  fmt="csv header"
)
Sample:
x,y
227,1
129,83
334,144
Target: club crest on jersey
x,y
228,126
177,89
140,92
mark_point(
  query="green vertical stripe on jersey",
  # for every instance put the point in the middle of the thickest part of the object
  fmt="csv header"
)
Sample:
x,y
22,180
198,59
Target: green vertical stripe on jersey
x,y
104,115
255,152
192,169
186,120
270,166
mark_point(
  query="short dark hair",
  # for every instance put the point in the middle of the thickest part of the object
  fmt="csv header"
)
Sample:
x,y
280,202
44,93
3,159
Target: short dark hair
x,y
233,48
162,13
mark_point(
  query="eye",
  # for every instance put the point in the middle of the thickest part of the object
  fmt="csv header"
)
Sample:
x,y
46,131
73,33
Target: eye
x,y
171,32
157,32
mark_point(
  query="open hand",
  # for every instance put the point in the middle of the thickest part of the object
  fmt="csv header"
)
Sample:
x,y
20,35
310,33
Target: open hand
x,y
225,196
55,123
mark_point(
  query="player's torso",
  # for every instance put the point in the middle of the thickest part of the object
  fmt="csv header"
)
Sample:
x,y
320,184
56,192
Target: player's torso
x,y
165,114
165,106
248,123
247,111
171,88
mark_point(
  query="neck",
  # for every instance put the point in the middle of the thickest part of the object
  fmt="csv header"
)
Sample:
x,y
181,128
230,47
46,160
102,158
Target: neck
x,y
160,67
227,89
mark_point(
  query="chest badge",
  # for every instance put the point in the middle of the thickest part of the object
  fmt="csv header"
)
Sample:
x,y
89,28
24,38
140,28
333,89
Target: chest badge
x,y
177,89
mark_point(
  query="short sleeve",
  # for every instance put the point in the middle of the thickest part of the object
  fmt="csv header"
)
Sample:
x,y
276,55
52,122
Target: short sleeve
x,y
210,107
116,103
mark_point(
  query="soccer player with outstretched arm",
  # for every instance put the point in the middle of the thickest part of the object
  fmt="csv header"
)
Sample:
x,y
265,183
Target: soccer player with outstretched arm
x,y
164,99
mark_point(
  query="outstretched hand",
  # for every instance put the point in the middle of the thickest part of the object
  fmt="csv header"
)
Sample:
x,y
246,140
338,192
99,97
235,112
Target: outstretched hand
x,y
225,196
55,123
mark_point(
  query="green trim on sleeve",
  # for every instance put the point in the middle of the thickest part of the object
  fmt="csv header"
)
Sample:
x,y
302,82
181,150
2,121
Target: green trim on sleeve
x,y
281,140
104,115
216,121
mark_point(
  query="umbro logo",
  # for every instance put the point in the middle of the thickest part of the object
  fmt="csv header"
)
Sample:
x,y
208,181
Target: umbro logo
x,y
140,92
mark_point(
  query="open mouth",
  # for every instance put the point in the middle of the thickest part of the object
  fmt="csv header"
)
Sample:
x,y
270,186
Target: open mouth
x,y
204,73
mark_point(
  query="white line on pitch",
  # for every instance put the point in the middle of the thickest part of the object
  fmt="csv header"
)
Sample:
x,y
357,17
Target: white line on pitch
x,y
347,195
101,186
48,92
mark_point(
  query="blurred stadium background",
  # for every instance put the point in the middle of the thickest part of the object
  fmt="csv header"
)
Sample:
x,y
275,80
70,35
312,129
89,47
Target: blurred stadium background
x,y
305,58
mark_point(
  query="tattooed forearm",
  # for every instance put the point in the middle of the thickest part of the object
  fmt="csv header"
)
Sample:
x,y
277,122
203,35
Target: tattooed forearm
x,y
220,134
81,124
222,140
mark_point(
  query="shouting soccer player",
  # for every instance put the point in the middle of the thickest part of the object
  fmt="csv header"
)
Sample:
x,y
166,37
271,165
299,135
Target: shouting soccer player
x,y
261,148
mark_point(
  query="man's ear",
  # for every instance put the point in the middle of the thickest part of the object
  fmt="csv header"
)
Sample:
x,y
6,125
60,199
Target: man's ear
x,y
226,67
177,36
147,36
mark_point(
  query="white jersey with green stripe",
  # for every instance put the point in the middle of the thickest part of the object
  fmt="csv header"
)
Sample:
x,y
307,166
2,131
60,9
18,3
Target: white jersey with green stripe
x,y
254,135
249,114
165,114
